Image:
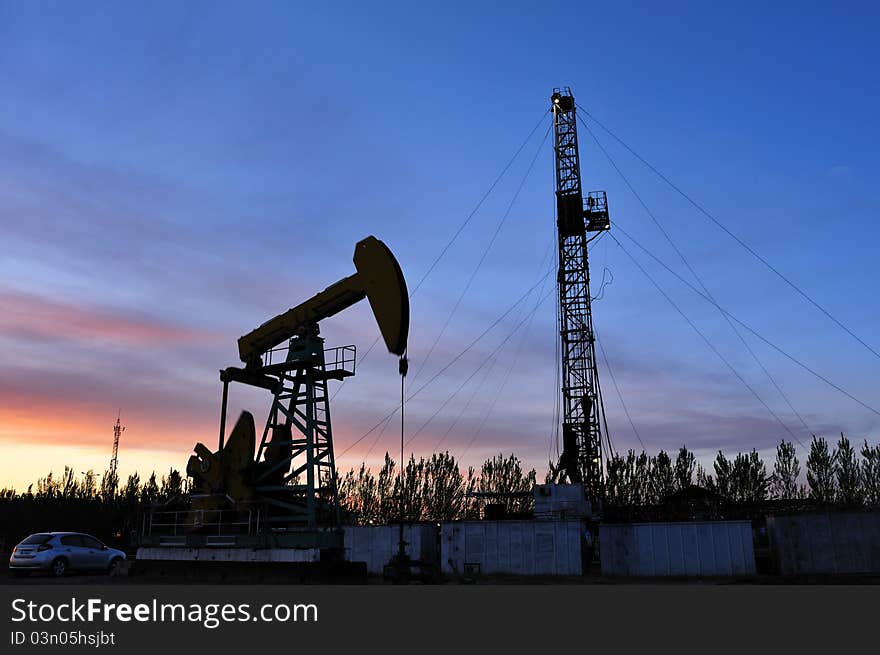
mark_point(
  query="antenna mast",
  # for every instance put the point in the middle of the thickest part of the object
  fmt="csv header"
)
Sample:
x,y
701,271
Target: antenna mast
x,y
118,429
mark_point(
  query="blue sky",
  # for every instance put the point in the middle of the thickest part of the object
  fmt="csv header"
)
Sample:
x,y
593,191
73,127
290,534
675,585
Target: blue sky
x,y
173,174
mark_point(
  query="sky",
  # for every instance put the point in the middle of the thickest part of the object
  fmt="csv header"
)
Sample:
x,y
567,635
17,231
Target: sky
x,y
174,174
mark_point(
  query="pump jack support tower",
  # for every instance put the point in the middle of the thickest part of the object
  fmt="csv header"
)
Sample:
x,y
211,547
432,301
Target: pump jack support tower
x,y
579,219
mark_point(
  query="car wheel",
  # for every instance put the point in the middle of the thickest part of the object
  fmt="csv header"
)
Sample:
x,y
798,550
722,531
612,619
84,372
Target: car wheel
x,y
115,563
59,567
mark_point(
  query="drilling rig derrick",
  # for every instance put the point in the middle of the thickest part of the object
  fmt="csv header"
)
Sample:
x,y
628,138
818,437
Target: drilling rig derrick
x,y
579,219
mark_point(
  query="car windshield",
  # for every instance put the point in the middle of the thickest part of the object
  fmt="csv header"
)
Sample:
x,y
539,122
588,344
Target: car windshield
x,y
35,539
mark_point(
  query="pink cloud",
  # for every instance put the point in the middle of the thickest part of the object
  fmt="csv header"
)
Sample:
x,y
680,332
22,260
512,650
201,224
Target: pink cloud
x,y
27,316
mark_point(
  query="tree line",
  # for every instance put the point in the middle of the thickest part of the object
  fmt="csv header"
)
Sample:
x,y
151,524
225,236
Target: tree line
x,y
95,504
434,489
437,488
838,474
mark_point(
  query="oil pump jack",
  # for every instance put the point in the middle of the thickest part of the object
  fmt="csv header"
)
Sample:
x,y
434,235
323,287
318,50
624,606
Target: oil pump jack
x,y
292,473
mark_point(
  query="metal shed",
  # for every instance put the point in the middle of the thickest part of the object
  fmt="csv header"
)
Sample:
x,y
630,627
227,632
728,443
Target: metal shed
x,y
706,548
840,542
557,502
376,544
512,547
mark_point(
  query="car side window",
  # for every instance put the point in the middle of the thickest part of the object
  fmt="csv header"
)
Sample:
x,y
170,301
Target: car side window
x,y
91,542
71,540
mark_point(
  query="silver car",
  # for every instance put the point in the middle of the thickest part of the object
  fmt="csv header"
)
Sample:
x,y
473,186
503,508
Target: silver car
x,y
60,552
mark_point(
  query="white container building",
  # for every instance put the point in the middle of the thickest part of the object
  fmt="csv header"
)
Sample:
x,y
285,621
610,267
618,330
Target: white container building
x,y
377,544
695,549
511,547
830,543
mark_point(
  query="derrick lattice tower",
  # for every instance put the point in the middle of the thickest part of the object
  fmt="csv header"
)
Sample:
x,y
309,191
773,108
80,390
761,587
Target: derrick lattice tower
x,y
579,219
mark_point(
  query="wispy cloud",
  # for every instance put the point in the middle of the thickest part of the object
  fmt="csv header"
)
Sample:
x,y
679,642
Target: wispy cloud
x,y
30,317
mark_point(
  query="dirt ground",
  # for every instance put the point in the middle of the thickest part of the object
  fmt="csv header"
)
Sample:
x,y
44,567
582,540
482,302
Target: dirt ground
x,y
147,578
